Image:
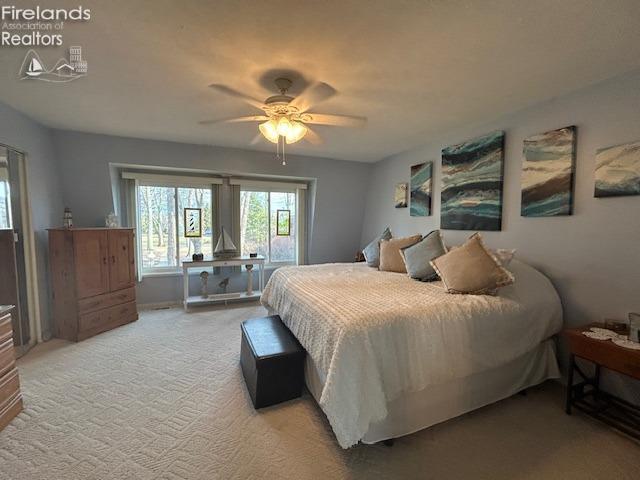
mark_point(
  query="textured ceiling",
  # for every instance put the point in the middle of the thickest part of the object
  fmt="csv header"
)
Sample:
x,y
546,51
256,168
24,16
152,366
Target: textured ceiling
x,y
414,68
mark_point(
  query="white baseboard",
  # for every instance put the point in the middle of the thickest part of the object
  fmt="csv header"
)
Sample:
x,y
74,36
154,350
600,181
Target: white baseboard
x,y
159,305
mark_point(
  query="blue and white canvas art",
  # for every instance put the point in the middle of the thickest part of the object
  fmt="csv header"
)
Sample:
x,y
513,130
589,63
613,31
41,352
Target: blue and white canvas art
x,y
618,170
400,195
421,190
547,173
472,184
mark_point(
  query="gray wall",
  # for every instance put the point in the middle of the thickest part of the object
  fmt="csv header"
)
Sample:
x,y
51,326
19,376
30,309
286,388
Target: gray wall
x,y
338,206
22,133
593,256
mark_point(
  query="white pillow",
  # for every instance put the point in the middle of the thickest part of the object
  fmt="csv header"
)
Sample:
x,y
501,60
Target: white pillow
x,y
505,255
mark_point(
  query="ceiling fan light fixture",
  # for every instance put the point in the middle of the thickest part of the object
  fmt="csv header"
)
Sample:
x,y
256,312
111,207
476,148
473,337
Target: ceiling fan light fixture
x,y
296,132
284,125
269,130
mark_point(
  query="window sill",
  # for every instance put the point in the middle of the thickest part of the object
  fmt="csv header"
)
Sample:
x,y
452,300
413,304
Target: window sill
x,y
169,273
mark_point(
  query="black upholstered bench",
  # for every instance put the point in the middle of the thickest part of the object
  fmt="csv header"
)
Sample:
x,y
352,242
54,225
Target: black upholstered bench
x,y
272,361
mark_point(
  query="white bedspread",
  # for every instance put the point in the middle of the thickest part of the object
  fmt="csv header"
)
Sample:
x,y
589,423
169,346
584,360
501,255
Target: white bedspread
x,y
374,335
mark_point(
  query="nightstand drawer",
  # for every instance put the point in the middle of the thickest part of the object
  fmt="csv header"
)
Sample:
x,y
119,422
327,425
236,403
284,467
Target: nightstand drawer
x,y
605,353
9,386
631,369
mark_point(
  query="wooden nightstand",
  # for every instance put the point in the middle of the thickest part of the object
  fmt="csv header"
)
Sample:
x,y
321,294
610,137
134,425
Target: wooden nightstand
x,y
587,396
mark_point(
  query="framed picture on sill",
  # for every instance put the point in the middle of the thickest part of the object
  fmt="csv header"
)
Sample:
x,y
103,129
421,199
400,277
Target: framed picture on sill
x,y
192,222
283,223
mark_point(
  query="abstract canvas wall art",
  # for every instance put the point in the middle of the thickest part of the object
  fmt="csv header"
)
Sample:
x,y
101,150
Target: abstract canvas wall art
x,y
400,195
472,184
618,170
421,190
547,173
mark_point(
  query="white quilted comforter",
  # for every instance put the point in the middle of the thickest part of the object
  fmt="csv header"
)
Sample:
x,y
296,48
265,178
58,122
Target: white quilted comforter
x,y
374,335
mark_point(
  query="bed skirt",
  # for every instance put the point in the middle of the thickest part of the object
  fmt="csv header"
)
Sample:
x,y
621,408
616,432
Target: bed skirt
x,y
415,411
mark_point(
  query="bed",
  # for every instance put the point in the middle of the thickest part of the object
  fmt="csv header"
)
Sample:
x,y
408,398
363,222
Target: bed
x,y
388,355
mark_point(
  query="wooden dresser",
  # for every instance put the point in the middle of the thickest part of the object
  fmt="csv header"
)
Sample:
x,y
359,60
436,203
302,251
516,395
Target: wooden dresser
x,y
10,396
92,273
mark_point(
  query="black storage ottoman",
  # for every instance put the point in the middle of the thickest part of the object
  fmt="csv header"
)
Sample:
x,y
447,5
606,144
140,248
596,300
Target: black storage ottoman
x,y
272,361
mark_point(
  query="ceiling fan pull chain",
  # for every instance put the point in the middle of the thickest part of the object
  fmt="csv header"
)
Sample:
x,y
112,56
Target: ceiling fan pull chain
x,y
284,160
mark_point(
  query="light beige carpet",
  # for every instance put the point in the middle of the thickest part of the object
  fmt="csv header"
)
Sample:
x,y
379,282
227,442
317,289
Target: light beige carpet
x,y
164,398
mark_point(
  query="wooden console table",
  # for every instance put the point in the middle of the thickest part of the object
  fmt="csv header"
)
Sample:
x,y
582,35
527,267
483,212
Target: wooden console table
x,y
587,396
197,300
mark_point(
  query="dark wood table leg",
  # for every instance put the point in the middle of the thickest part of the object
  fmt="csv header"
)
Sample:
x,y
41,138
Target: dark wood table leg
x,y
572,362
596,382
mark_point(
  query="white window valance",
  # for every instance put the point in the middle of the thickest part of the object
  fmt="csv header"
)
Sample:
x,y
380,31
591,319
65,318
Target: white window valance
x,y
170,180
267,185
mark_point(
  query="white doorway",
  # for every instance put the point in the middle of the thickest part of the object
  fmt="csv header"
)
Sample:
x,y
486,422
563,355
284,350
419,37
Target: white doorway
x,y
17,250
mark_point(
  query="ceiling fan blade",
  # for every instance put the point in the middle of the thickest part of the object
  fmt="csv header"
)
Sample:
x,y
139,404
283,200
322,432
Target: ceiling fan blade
x,y
336,120
250,118
256,139
312,95
312,137
236,94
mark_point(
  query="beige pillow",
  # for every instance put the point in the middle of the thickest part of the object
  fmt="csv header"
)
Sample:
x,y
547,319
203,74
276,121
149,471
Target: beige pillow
x,y
390,255
472,268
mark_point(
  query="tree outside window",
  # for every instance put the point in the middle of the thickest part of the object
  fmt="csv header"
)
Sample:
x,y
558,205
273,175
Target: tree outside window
x,y
258,225
161,225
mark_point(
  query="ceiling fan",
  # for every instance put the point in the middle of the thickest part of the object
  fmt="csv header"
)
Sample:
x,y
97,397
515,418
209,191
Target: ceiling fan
x,y
286,119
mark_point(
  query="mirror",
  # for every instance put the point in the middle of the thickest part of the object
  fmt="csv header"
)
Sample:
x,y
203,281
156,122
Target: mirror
x,y
5,191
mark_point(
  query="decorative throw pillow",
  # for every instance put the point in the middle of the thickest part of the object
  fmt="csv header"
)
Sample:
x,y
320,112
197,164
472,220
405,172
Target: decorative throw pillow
x,y
417,257
372,251
472,268
390,256
505,255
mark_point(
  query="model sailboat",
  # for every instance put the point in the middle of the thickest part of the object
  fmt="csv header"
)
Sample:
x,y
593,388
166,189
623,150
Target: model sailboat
x,y
225,248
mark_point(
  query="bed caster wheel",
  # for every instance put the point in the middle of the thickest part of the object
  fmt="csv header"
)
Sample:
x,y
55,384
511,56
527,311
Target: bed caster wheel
x,y
388,442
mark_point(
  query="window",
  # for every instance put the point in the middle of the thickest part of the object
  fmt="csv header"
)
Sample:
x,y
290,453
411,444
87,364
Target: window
x,y
261,213
161,230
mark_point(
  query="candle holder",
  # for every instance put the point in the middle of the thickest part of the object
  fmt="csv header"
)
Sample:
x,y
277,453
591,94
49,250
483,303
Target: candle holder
x,y
249,279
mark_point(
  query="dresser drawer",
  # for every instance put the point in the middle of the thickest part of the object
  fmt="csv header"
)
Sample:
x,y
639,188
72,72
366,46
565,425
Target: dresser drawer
x,y
92,320
9,386
95,322
9,411
7,357
6,330
107,300
122,312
